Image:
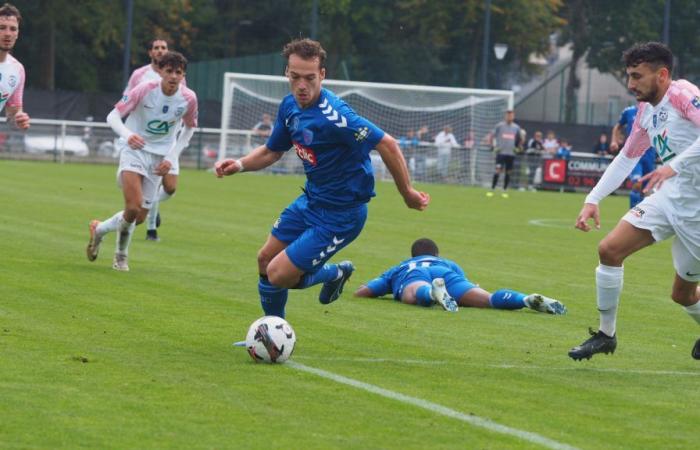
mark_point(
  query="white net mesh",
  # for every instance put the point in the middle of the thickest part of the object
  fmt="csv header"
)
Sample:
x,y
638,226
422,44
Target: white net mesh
x,y
414,115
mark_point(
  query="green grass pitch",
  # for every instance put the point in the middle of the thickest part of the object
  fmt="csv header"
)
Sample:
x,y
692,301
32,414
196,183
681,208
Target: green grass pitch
x,y
93,358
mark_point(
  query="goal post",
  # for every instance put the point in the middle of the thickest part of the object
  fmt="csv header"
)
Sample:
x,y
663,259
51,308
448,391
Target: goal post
x,y
413,114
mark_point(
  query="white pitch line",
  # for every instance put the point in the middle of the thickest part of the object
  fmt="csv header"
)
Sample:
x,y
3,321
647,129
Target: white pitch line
x,y
577,366
435,408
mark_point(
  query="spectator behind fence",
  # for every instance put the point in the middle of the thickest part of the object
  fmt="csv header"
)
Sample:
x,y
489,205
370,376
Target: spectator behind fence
x,y
264,127
602,147
409,144
421,151
564,151
533,157
550,144
444,141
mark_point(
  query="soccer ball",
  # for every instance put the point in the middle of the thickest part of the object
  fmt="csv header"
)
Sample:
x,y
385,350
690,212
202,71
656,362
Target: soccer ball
x,y
270,339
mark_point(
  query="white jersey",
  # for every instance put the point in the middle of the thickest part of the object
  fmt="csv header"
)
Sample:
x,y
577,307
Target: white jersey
x,y
673,128
11,82
155,116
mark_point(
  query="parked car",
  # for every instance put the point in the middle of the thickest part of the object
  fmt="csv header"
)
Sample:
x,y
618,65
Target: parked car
x,y
71,145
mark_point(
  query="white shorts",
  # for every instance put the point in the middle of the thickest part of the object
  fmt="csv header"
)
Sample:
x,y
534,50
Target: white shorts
x,y
651,215
143,163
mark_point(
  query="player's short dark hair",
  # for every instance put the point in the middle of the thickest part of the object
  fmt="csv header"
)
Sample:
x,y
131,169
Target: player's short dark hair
x,y
149,44
305,49
173,59
653,53
10,10
424,246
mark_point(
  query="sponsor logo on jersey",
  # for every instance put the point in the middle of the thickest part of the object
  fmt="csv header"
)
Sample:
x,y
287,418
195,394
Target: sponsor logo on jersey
x,y
12,80
165,108
277,223
637,211
308,136
305,154
159,127
362,134
332,115
696,102
661,144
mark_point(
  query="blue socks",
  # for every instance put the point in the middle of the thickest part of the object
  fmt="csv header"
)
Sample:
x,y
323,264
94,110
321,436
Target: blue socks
x,y
328,272
507,299
423,295
272,298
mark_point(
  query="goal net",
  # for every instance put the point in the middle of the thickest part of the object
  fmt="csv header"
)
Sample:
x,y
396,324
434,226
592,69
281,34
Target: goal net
x,y
413,114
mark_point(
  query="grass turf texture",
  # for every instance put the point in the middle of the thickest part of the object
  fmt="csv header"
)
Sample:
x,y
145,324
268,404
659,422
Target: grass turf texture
x,y
93,358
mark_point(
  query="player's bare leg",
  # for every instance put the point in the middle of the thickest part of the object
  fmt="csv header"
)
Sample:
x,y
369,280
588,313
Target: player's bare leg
x,y
133,214
687,294
165,192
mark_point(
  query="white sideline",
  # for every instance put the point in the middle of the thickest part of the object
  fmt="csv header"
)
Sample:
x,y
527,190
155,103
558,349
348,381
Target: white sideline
x,y
435,408
574,367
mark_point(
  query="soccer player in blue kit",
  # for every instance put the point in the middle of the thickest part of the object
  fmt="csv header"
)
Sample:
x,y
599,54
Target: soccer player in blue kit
x,y
333,143
426,278
646,164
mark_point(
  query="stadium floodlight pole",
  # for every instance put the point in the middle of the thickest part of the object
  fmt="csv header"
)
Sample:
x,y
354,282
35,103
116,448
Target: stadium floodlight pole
x,y
500,50
127,41
314,20
667,23
487,45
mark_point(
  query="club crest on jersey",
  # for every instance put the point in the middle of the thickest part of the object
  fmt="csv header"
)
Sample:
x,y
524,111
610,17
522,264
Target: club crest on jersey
x,y
308,136
12,80
295,124
305,154
362,134
663,115
179,111
165,108
696,102
125,98
159,127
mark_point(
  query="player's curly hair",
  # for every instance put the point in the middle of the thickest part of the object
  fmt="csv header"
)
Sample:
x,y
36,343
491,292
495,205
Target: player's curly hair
x,y
305,49
173,59
10,10
653,53
424,246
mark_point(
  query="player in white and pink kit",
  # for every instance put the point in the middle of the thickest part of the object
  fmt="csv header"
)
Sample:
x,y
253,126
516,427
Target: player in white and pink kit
x,y
669,119
150,145
150,72
11,70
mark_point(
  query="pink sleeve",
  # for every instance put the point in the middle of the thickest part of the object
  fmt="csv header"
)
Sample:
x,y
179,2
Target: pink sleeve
x,y
638,141
134,80
192,114
685,97
133,97
16,97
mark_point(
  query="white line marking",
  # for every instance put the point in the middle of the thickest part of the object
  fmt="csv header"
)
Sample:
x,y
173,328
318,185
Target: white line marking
x,y
552,223
575,366
434,407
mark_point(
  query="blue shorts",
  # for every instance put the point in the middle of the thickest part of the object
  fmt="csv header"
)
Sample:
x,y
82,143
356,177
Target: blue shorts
x,y
315,234
646,164
457,285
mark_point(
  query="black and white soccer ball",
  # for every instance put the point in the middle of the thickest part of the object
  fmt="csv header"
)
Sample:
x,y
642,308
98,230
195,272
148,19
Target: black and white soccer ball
x,y
270,339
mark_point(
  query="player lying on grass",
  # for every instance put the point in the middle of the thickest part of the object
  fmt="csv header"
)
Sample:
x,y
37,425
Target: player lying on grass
x,y
425,279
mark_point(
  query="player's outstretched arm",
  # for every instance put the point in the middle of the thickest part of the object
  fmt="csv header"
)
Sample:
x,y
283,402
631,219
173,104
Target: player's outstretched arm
x,y
391,154
259,158
589,211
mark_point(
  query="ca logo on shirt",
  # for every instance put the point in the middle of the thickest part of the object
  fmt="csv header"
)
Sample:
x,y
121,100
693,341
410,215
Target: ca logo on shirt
x,y
159,127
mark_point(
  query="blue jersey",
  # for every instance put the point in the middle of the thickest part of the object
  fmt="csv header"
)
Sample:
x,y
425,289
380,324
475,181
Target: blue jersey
x,y
334,144
627,119
648,161
398,277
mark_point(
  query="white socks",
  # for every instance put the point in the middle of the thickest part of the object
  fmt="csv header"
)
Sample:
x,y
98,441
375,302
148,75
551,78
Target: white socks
x,y
153,213
608,280
694,311
124,232
110,224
